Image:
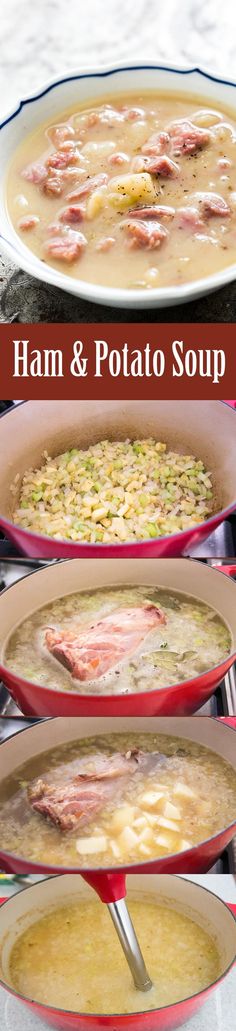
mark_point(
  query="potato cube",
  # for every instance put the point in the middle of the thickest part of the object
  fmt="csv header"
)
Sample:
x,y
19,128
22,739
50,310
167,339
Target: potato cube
x,y
146,836
145,851
141,822
128,840
115,849
96,202
170,825
124,190
166,841
183,790
150,799
171,811
123,817
89,846
184,845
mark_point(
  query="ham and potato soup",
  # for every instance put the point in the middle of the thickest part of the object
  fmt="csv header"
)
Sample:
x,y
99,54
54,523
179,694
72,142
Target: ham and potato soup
x,y
63,958
134,192
115,799
118,640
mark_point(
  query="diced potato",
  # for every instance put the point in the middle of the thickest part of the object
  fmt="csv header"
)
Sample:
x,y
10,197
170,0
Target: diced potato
x,y
171,811
89,846
145,851
166,841
183,790
150,799
152,819
96,202
115,849
122,818
170,825
124,190
128,839
146,836
102,148
184,844
141,822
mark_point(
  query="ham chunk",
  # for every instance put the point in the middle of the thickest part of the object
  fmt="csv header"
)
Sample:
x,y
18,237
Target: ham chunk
x,y
152,211
88,652
61,159
157,144
54,185
73,213
66,247
35,173
141,233
163,165
118,158
105,243
212,205
58,134
189,218
187,138
93,182
98,779
29,222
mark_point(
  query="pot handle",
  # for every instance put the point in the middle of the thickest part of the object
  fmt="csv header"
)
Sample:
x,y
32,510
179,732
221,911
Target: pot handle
x,y
109,886
228,570
231,403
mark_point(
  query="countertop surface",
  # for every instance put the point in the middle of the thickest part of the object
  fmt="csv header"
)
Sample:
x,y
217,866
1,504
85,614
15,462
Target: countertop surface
x,y
218,1013
53,37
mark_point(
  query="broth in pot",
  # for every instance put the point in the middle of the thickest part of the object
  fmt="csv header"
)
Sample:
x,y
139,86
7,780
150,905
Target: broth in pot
x,y
114,800
70,973
118,640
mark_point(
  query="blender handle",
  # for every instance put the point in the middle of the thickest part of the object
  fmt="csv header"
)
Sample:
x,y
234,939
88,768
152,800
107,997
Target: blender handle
x,y
111,887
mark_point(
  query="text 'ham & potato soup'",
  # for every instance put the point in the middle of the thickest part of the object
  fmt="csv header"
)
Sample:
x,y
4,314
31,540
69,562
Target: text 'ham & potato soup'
x,y
118,640
63,958
133,192
115,800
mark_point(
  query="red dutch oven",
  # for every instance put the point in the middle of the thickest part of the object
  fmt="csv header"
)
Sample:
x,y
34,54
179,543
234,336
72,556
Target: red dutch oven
x,y
203,428
208,910
54,581
41,737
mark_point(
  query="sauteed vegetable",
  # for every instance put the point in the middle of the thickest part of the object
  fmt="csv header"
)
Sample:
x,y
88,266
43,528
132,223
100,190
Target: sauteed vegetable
x,y
114,491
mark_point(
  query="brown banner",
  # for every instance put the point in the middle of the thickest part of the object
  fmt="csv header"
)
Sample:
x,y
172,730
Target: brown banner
x,y
124,361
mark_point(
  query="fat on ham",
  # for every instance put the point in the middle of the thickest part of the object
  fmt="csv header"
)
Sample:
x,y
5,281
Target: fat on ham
x,y
88,652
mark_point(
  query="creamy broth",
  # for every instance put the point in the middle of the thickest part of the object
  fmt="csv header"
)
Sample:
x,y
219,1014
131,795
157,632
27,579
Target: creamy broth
x,y
136,191
116,799
64,958
190,639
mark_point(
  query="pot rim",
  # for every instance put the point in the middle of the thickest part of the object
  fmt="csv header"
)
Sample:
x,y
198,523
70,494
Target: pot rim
x,y
95,695
45,1006
132,866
